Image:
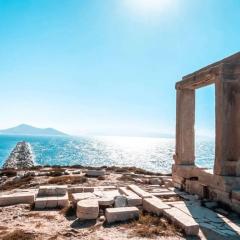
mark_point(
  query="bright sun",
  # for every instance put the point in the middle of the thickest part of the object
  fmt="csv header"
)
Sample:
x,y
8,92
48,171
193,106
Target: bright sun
x,y
149,7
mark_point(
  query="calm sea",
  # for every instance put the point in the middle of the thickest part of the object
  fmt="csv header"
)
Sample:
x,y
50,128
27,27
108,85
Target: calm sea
x,y
154,154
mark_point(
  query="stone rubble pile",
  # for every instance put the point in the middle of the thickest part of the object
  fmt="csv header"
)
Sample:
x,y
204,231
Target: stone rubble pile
x,y
123,203
20,157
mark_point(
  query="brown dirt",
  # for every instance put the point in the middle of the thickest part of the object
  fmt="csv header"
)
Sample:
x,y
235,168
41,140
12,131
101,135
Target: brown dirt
x,y
62,180
22,183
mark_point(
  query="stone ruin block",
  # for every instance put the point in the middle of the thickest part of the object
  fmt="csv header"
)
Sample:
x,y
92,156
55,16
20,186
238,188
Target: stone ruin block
x,y
52,190
132,198
181,219
82,196
52,196
88,209
51,202
121,214
17,198
141,193
80,189
154,205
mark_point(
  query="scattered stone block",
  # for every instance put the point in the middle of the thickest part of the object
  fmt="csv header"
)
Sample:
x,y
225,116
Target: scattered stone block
x,y
139,191
105,201
154,205
52,190
164,194
80,189
120,201
106,188
51,202
95,173
132,198
88,209
121,214
82,196
184,221
106,197
17,198
76,172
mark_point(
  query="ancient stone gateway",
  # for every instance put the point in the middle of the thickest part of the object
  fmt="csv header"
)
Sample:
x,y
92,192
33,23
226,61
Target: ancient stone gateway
x,y
223,183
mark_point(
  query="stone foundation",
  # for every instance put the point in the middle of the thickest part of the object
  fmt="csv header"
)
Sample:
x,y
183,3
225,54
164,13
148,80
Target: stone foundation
x,y
206,185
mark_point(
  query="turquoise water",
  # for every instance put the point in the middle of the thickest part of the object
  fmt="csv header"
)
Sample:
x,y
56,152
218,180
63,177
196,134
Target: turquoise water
x,y
154,154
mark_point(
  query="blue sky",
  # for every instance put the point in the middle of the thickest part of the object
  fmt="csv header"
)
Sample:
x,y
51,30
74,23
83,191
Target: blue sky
x,y
109,66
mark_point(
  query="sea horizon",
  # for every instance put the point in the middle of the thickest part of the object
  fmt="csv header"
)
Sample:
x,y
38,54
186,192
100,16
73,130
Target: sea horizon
x,y
150,153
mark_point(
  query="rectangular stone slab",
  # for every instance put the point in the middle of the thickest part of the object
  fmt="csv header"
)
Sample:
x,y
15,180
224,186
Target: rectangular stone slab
x,y
164,194
121,214
51,202
107,197
132,198
181,219
154,205
52,190
17,198
140,192
80,189
82,196
105,188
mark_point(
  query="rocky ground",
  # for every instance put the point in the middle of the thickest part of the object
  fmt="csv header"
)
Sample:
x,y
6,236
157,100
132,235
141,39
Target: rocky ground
x,y
20,157
22,221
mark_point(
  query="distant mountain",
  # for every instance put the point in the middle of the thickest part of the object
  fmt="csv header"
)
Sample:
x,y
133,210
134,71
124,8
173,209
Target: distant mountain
x,y
25,129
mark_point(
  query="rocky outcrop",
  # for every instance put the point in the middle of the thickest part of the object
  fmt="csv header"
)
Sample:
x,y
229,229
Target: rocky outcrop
x,y
20,157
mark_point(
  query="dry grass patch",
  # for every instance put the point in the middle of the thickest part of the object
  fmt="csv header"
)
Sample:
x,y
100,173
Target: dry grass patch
x,y
19,235
24,182
101,178
126,178
62,180
149,226
134,170
39,215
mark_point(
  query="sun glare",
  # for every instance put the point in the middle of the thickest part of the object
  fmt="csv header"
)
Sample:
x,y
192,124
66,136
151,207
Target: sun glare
x,y
149,7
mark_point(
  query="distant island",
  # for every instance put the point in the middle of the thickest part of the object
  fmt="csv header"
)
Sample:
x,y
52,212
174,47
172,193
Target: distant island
x,y
25,129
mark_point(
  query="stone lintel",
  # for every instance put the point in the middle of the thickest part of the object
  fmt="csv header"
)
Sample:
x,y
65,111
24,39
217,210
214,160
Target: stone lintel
x,y
210,73
199,79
